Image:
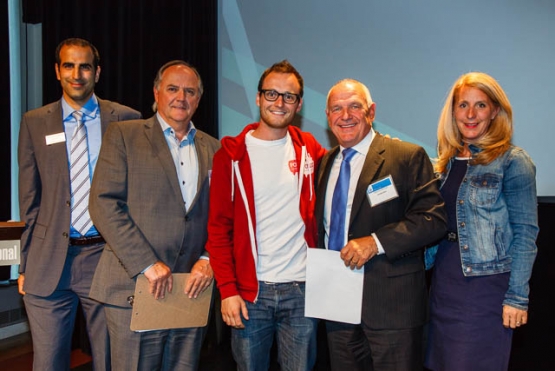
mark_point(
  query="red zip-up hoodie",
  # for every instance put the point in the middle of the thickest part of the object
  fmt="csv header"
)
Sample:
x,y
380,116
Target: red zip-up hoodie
x,y
231,223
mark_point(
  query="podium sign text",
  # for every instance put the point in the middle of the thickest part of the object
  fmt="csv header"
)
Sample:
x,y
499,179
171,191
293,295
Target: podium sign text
x,y
10,247
9,252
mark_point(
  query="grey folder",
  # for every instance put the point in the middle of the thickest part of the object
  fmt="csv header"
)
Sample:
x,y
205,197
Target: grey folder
x,y
175,310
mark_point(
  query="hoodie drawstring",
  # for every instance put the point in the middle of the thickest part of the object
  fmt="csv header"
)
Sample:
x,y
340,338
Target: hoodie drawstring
x,y
232,177
243,193
302,172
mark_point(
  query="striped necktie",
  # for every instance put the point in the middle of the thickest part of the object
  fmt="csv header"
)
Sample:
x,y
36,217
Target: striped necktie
x,y
80,177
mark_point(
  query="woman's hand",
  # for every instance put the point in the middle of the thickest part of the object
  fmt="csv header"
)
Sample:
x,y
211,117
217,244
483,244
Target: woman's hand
x,y
514,317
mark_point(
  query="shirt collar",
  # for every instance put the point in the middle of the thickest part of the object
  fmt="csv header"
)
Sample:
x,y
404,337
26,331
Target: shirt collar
x,y
89,109
362,146
166,128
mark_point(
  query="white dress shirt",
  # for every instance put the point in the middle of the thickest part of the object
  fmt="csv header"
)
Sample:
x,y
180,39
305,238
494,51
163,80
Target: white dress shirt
x,y
357,163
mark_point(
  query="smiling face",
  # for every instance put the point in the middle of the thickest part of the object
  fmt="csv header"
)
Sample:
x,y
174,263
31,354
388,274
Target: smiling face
x,y
178,95
349,116
473,111
77,74
278,115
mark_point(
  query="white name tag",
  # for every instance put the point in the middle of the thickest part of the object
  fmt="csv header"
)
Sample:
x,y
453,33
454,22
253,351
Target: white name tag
x,y
381,191
55,138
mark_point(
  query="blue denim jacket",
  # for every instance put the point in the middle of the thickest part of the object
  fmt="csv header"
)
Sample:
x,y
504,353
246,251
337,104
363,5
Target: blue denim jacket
x,y
497,222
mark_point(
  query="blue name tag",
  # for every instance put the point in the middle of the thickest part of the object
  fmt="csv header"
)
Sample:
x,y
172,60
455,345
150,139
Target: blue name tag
x,y
381,191
379,185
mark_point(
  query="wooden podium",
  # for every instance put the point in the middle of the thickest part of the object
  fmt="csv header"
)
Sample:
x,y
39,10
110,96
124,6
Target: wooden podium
x,y
10,233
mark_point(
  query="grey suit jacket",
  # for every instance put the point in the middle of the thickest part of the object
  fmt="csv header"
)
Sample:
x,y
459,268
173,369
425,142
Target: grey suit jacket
x,y
44,192
394,286
136,204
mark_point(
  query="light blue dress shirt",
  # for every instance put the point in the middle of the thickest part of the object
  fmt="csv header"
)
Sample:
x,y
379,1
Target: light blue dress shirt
x,y
185,159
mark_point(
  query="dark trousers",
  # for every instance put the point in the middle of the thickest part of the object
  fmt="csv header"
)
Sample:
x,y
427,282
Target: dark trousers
x,y
165,350
357,347
52,318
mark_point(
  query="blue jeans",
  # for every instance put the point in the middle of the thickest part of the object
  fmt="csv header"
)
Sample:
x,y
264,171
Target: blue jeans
x,y
175,349
279,311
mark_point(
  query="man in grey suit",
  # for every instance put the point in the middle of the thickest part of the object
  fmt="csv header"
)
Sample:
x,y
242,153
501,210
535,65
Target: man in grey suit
x,y
149,199
57,260
393,209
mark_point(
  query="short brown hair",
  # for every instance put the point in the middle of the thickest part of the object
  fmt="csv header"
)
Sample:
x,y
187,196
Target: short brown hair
x,y
282,67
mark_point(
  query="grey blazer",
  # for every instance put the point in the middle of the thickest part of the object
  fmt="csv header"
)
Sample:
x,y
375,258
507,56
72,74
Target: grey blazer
x,y
44,192
137,206
394,293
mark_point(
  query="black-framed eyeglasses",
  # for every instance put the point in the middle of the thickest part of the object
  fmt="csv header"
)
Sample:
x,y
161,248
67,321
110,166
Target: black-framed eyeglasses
x,y
272,96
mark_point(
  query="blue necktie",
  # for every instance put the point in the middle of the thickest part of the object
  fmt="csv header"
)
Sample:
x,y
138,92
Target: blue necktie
x,y
336,239
80,177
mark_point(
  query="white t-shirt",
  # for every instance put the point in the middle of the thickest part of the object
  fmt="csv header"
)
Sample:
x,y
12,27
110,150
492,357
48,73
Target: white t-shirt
x,y
279,225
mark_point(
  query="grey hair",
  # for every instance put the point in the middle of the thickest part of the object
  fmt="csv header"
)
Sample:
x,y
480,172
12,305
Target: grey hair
x,y
177,62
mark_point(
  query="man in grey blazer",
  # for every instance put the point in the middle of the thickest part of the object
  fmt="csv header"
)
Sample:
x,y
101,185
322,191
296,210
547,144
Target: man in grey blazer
x,y
149,199
57,261
394,209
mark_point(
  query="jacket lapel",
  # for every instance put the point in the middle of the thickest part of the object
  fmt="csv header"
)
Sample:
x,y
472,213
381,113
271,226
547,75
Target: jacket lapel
x,y
322,186
160,150
372,164
203,164
53,125
107,114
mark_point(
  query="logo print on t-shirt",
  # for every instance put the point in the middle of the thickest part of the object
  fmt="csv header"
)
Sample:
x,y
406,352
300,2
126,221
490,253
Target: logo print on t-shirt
x,y
293,167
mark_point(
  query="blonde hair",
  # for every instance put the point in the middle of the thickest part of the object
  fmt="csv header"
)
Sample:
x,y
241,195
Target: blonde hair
x,y
495,141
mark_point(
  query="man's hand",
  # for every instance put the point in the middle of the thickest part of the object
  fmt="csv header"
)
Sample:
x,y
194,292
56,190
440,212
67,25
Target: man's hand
x,y
514,317
20,282
232,309
200,278
389,137
160,279
358,251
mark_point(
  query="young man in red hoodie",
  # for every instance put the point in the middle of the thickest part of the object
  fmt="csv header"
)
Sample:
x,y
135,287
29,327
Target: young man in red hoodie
x,y
261,223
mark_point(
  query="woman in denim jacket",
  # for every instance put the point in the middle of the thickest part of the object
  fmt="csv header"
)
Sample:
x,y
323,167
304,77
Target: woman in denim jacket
x,y
479,290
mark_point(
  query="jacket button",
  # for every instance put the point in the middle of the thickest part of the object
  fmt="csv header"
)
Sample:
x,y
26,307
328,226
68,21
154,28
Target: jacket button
x,y
465,247
65,234
468,269
461,202
463,224
68,203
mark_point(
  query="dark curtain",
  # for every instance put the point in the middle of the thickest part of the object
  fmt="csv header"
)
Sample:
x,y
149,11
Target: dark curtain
x,y
134,38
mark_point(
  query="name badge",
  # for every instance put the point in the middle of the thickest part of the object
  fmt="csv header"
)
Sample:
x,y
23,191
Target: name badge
x,y
381,191
55,138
